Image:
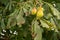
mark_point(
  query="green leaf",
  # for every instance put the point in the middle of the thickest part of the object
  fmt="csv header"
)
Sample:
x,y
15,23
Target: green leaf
x,y
54,11
12,18
2,24
10,5
25,10
4,1
40,1
44,24
11,22
38,31
52,21
58,6
47,24
15,13
20,19
54,25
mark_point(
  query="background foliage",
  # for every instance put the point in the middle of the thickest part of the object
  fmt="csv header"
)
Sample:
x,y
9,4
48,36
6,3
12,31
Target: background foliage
x,y
17,23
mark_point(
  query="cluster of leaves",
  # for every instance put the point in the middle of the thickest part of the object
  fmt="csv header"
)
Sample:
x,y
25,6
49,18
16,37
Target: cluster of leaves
x,y
17,23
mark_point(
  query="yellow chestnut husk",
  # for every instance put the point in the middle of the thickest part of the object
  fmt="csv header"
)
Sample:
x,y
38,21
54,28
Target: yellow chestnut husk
x,y
34,10
40,12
